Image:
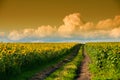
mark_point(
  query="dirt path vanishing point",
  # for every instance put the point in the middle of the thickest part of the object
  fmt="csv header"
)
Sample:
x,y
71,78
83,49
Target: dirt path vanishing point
x,y
83,71
42,75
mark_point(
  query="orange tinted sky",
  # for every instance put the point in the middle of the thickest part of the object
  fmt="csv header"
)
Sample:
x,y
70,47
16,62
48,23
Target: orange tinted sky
x,y
55,20
19,14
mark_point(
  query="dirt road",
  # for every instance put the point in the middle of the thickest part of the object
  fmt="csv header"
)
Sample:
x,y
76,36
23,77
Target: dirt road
x,y
83,71
42,75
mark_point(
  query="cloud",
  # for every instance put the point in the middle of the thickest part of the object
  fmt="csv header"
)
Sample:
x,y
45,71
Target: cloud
x,y
66,31
2,34
40,32
73,26
73,20
15,35
105,24
109,23
88,26
44,31
116,21
115,33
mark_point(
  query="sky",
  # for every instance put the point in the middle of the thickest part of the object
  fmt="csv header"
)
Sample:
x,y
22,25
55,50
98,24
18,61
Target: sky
x,y
63,20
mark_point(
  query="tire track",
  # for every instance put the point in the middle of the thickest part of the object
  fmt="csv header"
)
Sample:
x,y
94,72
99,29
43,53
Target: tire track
x,y
83,69
42,75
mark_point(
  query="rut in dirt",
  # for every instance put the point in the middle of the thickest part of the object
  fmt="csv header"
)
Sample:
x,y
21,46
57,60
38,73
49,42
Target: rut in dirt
x,y
83,73
42,75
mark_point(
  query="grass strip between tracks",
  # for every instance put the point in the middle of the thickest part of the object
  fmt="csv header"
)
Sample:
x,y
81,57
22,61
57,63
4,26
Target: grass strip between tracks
x,y
69,70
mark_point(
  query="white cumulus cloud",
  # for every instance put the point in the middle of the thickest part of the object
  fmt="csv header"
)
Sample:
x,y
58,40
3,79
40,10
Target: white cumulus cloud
x,y
73,26
2,34
42,31
115,33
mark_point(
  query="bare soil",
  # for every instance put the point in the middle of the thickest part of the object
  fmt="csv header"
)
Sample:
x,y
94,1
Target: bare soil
x,y
43,74
84,73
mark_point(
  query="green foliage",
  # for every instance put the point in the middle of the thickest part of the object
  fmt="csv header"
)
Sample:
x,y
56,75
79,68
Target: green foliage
x,y
105,60
16,58
68,71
